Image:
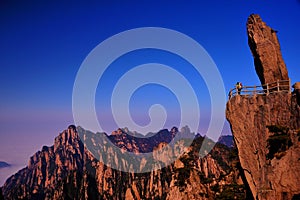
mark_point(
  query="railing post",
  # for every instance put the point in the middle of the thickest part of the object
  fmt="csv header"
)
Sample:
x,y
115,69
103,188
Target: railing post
x,y
267,88
278,89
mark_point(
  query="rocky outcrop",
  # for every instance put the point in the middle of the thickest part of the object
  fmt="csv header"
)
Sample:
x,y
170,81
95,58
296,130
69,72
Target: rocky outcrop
x,y
266,133
266,127
265,48
67,170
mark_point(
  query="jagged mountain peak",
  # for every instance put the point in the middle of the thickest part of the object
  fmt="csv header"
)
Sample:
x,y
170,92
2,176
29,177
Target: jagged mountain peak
x,y
67,170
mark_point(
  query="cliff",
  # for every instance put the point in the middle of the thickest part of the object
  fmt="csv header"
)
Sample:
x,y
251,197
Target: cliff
x,y
67,170
266,125
266,133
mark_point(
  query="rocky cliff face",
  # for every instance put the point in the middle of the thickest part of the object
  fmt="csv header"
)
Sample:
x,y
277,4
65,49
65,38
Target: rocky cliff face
x,y
265,48
266,127
266,132
67,170
54,172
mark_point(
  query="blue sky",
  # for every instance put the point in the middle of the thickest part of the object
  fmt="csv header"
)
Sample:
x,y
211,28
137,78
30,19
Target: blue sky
x,y
42,46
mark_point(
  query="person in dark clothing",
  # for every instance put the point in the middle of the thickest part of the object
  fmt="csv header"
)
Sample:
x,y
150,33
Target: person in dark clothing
x,y
239,87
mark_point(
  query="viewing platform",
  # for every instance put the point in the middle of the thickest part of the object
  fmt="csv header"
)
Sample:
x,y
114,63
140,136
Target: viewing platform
x,y
269,88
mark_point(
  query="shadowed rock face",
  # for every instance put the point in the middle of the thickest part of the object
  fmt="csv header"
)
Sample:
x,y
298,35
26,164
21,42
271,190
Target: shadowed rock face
x,y
67,170
265,48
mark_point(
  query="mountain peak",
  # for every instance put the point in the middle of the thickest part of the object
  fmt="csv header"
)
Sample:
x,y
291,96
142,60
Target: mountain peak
x,y
67,170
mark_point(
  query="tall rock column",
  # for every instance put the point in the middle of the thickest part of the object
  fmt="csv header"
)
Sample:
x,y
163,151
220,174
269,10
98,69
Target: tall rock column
x,y
266,127
265,48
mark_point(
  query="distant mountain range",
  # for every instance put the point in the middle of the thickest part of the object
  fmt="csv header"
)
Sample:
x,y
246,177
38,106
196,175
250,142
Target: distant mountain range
x,y
67,170
227,140
4,164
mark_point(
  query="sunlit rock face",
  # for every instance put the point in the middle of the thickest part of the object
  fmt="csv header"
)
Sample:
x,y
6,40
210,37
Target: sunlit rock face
x,y
67,170
265,48
271,172
266,127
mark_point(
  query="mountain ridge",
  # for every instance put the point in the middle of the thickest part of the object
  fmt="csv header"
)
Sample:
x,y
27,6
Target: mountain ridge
x,y
4,164
67,170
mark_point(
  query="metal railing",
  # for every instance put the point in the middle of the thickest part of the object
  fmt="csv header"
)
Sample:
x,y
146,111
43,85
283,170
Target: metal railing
x,y
269,88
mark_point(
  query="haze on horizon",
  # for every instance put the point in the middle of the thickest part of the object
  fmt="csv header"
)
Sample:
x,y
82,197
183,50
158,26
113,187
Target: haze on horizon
x,y
43,45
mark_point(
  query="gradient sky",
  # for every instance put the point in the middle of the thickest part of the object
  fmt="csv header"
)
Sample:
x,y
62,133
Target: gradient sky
x,y
42,46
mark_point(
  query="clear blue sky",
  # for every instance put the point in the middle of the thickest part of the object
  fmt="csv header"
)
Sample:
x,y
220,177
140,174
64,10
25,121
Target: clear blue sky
x,y
42,45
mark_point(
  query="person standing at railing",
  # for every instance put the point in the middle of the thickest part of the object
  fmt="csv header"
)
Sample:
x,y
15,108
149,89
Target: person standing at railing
x,y
296,91
238,87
